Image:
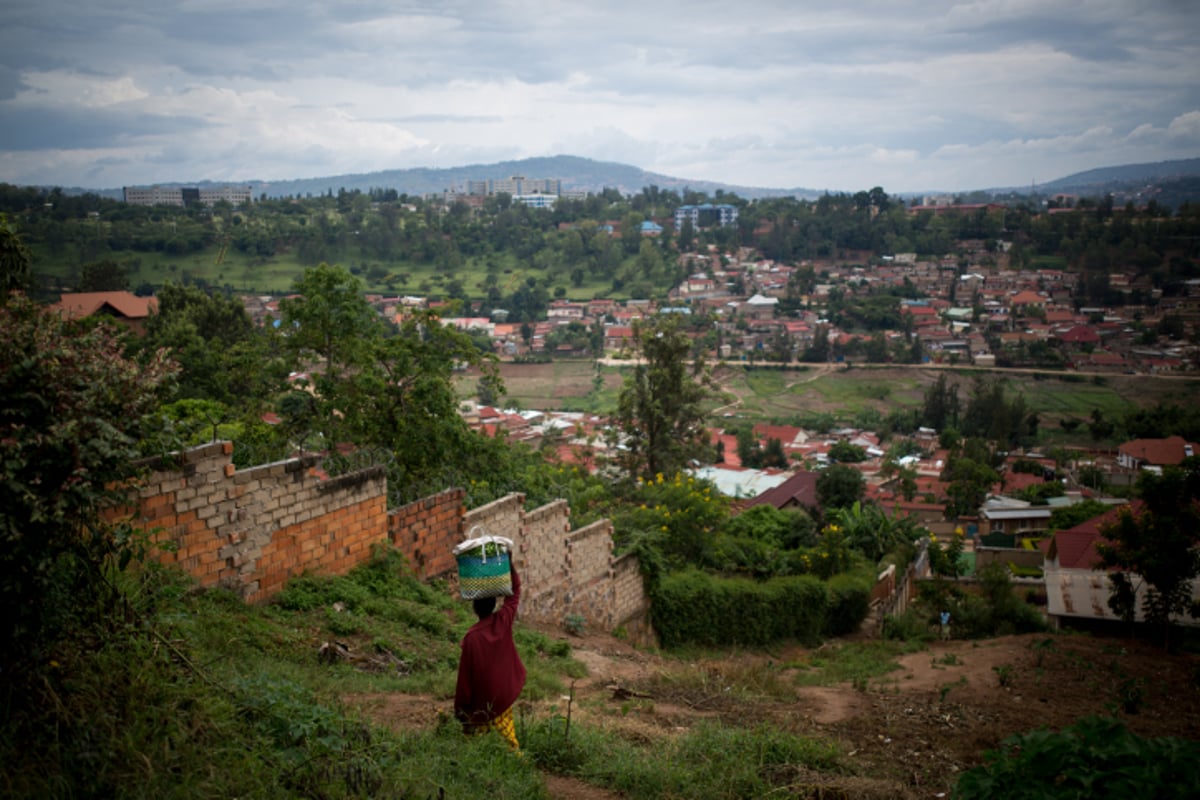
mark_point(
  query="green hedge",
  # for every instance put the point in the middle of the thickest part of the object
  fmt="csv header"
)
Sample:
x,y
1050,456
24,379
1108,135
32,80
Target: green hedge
x,y
694,607
849,602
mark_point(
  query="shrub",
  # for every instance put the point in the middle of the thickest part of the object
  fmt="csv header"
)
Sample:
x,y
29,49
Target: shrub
x,y
694,607
1096,757
849,601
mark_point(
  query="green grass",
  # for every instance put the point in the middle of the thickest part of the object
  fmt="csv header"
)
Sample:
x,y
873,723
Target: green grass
x,y
855,662
708,761
194,694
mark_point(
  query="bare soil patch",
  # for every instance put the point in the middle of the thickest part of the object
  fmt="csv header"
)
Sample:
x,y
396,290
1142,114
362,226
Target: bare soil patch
x,y
909,733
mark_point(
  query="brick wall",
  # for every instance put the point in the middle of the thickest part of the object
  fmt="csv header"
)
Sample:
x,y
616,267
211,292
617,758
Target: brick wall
x,y
427,530
251,530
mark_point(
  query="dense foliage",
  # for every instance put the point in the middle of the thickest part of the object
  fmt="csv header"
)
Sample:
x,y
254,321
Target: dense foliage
x,y
1157,544
72,418
1094,759
518,258
698,608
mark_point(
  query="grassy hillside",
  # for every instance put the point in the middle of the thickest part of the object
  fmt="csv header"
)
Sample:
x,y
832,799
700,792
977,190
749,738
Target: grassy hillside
x,y
341,688
819,395
198,695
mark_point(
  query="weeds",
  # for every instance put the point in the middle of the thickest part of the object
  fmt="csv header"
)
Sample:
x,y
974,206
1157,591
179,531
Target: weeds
x,y
1004,673
847,662
945,688
1040,649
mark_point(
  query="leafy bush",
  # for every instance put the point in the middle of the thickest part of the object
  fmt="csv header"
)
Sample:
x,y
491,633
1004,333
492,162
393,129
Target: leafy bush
x,y
911,626
849,602
694,607
677,515
1095,758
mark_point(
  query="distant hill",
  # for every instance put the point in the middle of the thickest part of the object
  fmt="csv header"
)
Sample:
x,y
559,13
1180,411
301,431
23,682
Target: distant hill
x,y
1087,182
1170,182
574,172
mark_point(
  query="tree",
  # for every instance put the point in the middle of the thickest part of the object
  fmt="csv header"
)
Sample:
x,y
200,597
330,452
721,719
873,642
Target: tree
x,y
873,532
14,261
941,407
330,330
103,276
660,410
1158,544
843,452
840,486
222,355
1065,517
74,409
969,481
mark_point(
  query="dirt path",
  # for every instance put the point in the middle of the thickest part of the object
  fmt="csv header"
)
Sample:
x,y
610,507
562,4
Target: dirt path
x,y
908,733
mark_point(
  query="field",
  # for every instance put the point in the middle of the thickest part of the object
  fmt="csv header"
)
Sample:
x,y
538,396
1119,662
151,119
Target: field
x,y
848,395
277,274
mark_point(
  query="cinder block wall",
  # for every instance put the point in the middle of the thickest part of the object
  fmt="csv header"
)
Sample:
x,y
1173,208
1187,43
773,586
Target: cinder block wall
x,y
251,530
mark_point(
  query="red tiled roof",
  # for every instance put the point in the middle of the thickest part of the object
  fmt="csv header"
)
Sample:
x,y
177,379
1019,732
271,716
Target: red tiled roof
x,y
1078,334
786,434
1076,547
1161,452
122,304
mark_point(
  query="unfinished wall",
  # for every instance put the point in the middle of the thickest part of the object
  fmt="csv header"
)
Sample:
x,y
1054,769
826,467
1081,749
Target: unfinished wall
x,y
251,530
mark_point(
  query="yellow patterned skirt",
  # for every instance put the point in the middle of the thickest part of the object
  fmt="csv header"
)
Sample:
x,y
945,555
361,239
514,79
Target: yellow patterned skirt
x,y
502,724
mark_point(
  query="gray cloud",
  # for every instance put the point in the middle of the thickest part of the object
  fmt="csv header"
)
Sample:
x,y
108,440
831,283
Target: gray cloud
x,y
938,94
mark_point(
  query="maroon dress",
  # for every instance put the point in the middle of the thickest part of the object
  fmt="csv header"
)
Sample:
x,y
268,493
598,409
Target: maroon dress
x,y
490,673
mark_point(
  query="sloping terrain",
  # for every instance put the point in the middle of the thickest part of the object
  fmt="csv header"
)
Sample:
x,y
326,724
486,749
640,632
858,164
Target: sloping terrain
x,y
907,733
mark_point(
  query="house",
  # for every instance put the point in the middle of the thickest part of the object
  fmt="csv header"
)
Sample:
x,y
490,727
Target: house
x,y
1077,587
797,492
1155,452
1028,299
125,307
1012,516
1080,336
759,307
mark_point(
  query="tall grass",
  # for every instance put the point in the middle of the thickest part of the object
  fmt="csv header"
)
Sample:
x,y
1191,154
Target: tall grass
x,y
710,761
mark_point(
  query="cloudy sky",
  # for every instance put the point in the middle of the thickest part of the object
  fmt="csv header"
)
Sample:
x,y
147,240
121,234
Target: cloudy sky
x,y
910,96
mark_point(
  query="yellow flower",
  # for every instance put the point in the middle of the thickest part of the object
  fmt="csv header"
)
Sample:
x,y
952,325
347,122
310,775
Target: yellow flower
x,y
664,527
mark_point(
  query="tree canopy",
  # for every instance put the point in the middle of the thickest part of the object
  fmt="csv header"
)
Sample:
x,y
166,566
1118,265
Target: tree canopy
x,y
74,408
1158,543
660,412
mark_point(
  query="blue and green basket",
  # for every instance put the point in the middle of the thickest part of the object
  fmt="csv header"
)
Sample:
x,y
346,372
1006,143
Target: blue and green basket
x,y
484,570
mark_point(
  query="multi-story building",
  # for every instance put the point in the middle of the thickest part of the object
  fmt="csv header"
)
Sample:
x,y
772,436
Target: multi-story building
x,y
536,200
153,196
516,186
184,195
706,215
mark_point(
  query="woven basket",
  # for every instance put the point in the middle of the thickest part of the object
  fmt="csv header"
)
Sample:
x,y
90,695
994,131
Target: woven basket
x,y
480,576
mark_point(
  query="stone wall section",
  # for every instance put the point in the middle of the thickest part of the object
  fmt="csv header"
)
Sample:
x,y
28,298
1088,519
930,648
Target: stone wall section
x,y
251,530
